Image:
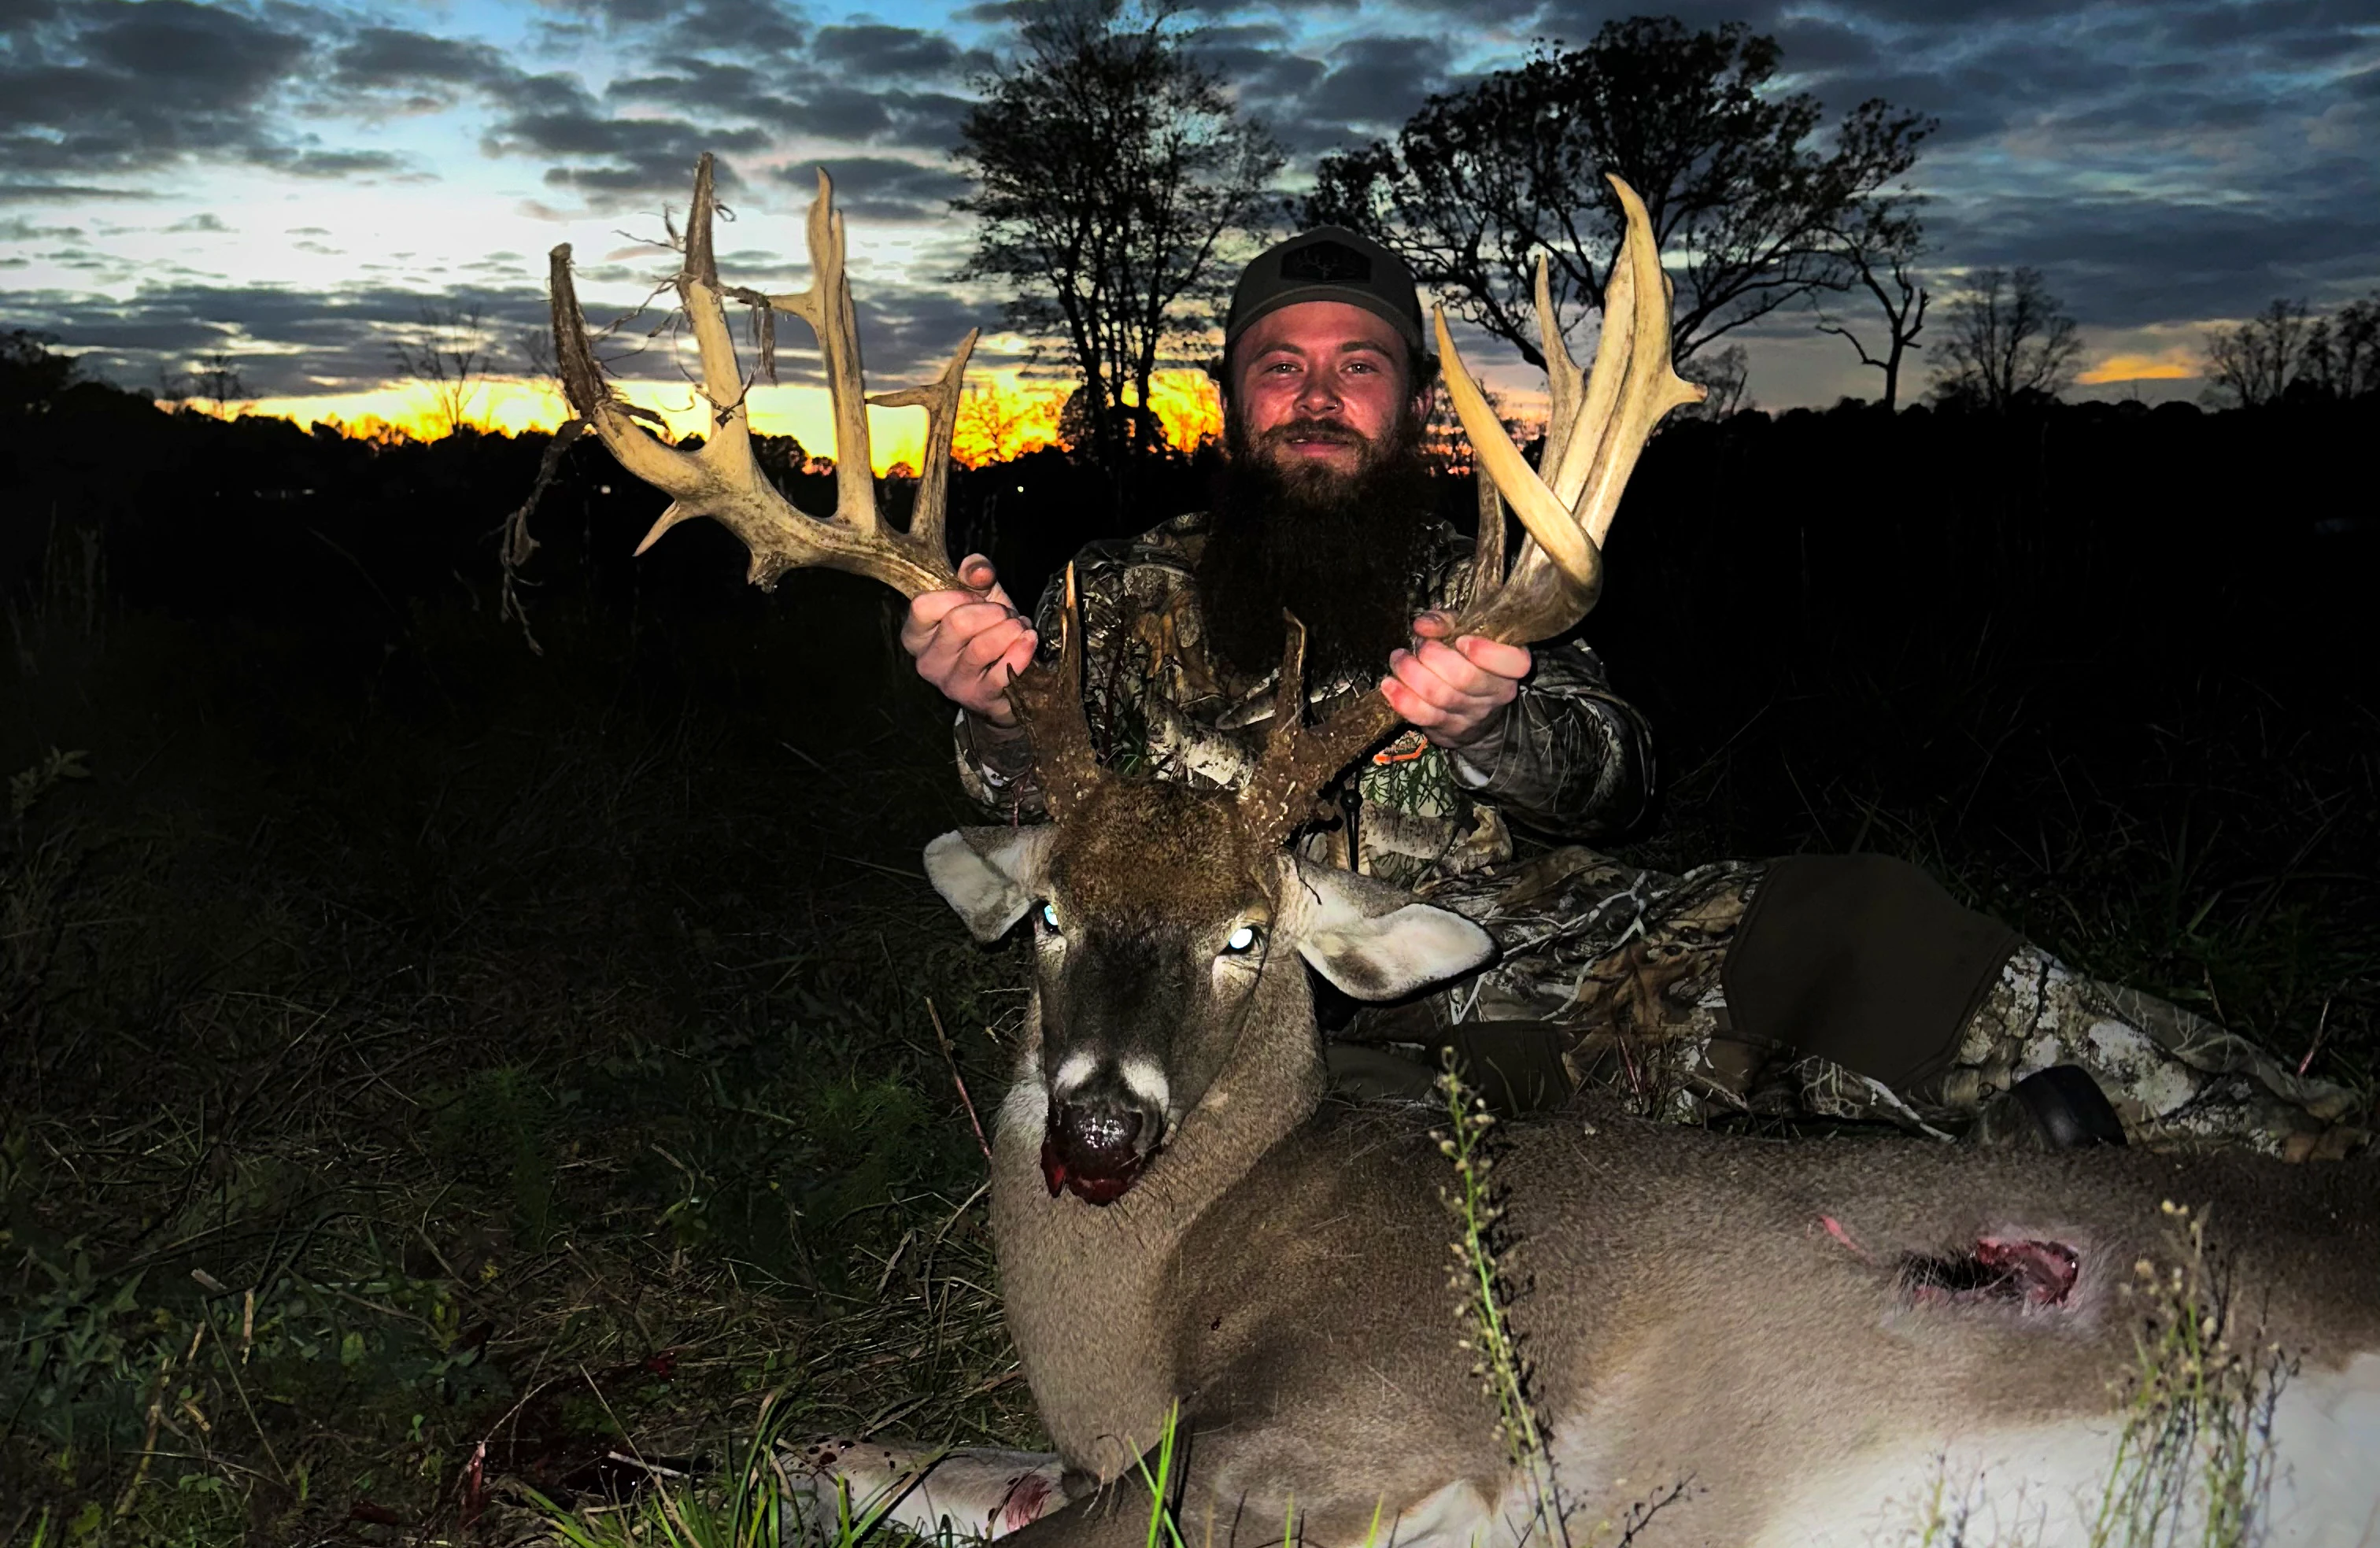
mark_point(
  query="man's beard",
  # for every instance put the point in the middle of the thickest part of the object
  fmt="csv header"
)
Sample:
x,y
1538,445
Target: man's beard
x,y
1339,550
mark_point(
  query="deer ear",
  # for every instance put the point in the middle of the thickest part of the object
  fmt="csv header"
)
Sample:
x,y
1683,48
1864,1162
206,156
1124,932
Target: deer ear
x,y
990,875
1375,943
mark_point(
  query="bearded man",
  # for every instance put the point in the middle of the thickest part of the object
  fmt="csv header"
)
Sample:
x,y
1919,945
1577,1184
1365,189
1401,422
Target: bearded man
x,y
1848,987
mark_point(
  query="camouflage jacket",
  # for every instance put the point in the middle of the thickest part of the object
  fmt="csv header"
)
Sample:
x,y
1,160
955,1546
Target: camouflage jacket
x,y
1572,761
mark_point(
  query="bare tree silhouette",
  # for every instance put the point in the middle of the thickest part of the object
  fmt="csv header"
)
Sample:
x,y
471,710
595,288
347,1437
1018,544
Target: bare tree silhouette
x,y
218,381
2253,362
2341,358
2006,338
450,356
1879,254
1113,172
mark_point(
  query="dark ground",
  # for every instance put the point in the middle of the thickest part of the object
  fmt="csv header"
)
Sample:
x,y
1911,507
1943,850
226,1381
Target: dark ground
x,y
412,1042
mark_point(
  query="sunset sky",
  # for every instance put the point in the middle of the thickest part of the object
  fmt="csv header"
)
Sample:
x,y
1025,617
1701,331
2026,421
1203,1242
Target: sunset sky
x,y
291,184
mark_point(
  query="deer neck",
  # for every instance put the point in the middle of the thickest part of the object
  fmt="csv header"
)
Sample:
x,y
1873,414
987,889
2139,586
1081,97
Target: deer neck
x,y
1084,1285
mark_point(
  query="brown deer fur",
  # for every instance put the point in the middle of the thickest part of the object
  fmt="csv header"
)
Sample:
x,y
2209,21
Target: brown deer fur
x,y
1733,1316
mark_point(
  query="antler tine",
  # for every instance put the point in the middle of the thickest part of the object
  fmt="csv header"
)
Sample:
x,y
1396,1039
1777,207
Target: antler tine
x,y
1279,797
1563,379
1555,579
1049,705
720,480
939,399
826,306
1633,387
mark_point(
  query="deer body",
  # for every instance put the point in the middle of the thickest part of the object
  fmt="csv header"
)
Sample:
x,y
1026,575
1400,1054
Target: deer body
x,y
1802,1339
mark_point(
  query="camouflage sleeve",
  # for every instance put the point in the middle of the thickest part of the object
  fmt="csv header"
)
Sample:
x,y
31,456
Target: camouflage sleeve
x,y
996,771
1572,759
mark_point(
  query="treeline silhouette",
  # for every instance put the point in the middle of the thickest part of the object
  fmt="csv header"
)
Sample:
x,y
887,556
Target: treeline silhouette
x,y
1861,576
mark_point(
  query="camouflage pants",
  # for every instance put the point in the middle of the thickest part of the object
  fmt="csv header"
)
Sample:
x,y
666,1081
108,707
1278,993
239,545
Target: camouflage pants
x,y
1629,960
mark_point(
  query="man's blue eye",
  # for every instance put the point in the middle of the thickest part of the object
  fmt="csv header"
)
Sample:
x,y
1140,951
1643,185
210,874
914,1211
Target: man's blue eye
x,y
1243,940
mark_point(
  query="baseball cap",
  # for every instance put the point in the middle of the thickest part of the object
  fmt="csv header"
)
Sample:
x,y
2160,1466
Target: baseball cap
x,y
1328,263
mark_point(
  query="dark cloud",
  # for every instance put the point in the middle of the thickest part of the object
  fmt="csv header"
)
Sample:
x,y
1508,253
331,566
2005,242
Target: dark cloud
x,y
887,117
417,72
1377,80
997,13
727,91
1362,90
1267,75
692,27
45,192
2132,262
605,154
205,220
108,88
16,228
288,342
880,52
1821,43
882,187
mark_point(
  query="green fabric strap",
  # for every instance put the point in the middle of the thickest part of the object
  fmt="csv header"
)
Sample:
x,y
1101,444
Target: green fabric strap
x,y
1862,960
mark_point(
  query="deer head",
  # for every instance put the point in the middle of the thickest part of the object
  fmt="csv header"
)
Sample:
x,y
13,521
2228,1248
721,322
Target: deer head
x,y
1173,925
1171,934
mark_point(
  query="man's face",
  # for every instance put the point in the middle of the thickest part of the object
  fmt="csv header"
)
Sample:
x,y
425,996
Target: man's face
x,y
1320,385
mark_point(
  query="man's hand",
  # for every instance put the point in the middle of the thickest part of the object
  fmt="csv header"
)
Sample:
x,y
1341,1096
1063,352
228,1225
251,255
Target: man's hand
x,y
969,643
1454,691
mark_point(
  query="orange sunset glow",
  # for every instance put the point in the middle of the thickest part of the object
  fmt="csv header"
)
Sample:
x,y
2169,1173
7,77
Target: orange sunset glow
x,y
2176,363
1003,416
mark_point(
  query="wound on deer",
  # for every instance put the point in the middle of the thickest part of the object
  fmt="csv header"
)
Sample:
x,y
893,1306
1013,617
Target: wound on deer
x,y
2014,1271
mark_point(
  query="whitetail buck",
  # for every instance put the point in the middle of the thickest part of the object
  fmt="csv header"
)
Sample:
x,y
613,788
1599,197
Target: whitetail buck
x,y
1729,1341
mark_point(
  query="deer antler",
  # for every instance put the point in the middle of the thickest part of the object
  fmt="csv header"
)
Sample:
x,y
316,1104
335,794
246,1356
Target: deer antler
x,y
721,480
1596,428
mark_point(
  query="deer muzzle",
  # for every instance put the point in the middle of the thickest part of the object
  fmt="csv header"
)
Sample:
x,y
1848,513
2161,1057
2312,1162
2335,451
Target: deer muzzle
x,y
1095,1147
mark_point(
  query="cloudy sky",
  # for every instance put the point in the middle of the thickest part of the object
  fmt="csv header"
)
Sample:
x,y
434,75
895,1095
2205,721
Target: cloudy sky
x,y
291,184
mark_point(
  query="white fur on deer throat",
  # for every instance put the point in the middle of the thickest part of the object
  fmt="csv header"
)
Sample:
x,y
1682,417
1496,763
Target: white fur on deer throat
x,y
1027,1106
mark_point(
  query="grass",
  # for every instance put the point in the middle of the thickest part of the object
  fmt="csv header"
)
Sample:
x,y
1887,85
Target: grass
x,y
1483,1296
435,1108
2196,1459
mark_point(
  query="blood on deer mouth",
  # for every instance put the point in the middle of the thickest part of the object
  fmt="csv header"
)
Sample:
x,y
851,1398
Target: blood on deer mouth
x,y
1091,1154
2012,1271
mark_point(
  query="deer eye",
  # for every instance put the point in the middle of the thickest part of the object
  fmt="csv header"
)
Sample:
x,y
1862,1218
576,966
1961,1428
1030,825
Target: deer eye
x,y
1049,920
1242,942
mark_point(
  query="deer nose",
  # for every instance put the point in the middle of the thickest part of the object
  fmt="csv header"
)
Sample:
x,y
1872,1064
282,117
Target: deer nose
x,y
1098,1143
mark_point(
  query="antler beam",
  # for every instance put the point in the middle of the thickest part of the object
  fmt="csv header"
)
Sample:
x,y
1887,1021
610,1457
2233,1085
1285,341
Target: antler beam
x,y
720,480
